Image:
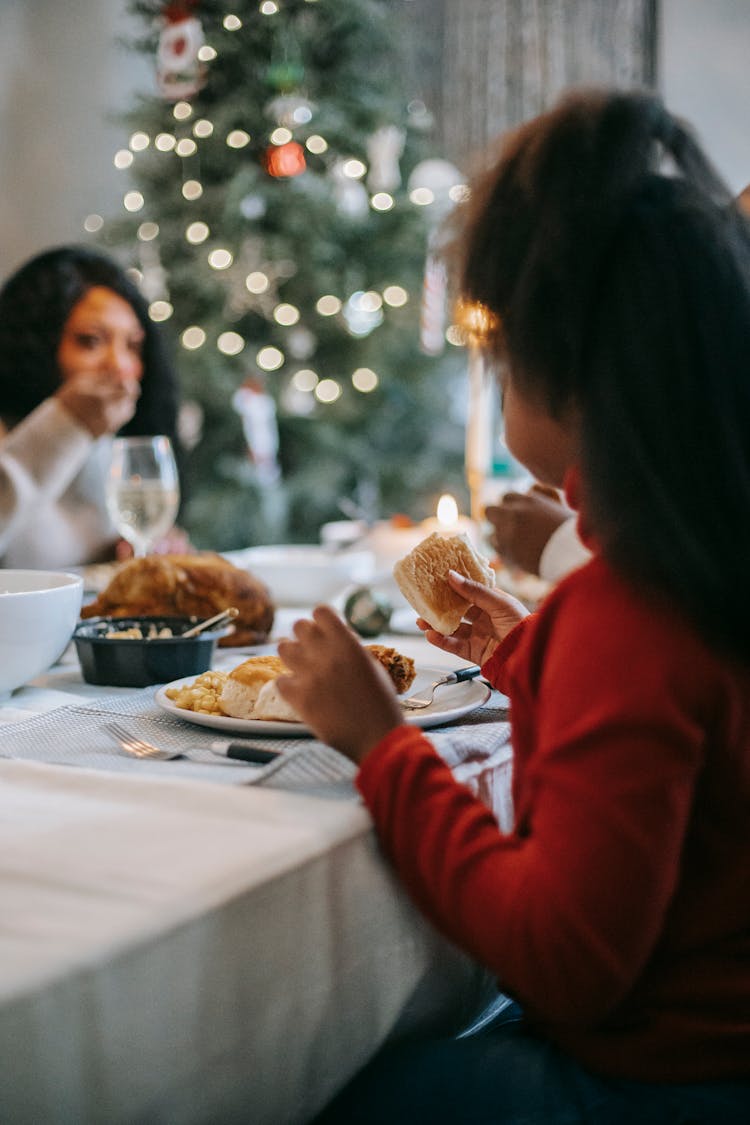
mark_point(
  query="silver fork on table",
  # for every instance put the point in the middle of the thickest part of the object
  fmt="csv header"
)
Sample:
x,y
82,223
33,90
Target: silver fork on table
x,y
418,702
220,747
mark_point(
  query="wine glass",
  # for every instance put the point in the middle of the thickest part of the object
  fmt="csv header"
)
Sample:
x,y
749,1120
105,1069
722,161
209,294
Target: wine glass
x,y
143,490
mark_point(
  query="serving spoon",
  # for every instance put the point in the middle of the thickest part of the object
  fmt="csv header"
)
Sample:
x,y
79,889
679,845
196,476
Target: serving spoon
x,y
218,619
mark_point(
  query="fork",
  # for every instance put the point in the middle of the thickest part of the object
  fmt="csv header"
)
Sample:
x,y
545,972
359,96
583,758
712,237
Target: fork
x,y
418,702
222,747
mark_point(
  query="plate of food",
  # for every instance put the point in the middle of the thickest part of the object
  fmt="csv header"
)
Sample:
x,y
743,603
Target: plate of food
x,y
247,701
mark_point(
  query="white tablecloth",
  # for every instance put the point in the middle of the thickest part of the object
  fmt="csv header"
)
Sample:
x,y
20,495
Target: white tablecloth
x,y
180,951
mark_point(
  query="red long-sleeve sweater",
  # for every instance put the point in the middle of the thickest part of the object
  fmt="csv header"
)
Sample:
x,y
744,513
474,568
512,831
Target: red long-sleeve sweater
x,y
617,911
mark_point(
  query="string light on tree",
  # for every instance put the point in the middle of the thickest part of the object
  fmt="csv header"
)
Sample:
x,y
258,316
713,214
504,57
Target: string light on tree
x,y
270,358
193,337
230,343
286,314
133,201
327,391
182,111
148,231
160,310
305,380
139,141
382,201
316,144
123,158
328,305
93,223
257,282
238,138
197,232
203,128
192,190
395,296
220,258
165,142
364,379
363,312
186,147
422,196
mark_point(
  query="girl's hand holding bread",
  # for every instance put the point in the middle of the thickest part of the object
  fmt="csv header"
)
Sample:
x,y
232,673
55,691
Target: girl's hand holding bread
x,y
488,620
451,587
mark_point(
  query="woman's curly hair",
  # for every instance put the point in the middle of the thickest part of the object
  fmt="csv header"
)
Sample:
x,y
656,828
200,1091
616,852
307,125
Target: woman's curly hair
x,y
35,303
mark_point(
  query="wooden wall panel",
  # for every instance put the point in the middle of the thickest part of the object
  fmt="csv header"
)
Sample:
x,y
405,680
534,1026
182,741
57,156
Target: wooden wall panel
x,y
485,65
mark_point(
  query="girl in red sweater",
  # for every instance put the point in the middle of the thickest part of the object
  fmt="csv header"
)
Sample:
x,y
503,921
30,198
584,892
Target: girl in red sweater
x,y
614,272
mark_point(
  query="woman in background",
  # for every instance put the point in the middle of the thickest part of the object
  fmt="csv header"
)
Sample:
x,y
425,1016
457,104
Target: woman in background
x,y
80,361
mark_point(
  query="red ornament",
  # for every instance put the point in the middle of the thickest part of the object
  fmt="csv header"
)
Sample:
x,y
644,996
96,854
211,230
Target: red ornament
x,y
177,10
285,160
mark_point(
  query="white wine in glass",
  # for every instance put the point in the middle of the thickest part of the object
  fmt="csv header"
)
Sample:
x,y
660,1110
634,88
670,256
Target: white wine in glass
x,y
143,490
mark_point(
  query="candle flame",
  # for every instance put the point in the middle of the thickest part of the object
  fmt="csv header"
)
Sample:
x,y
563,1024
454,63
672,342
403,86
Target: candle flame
x,y
447,511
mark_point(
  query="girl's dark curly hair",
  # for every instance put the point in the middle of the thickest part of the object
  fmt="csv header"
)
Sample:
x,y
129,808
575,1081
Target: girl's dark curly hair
x,y
617,268
36,302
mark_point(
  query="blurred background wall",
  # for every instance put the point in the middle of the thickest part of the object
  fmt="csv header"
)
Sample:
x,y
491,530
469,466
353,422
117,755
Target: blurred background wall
x,y
64,75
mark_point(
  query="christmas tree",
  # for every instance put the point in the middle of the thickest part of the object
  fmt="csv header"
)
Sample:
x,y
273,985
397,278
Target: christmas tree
x,y
280,204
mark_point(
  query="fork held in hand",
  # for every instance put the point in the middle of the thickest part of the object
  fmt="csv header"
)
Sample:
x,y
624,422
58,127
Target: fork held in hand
x,y
418,702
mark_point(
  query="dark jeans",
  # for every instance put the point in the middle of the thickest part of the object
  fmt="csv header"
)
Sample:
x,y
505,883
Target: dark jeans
x,y
505,1075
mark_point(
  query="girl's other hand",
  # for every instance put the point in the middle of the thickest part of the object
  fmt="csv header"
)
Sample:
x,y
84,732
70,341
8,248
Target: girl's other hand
x,y
522,523
336,686
488,620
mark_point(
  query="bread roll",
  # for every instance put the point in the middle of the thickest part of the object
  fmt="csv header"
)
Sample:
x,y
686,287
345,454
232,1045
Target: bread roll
x,y
251,691
244,683
271,705
422,577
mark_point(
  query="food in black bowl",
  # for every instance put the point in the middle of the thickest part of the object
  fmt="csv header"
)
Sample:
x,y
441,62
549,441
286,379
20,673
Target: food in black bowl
x,y
138,651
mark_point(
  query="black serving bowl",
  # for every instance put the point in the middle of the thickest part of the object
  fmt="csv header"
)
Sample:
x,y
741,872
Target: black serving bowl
x,y
131,662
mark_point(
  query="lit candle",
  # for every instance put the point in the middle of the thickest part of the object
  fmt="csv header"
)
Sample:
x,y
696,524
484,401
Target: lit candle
x,y
447,520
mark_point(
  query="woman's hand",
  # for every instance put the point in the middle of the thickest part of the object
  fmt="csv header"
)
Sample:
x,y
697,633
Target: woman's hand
x,y
490,617
336,686
101,403
523,522
175,542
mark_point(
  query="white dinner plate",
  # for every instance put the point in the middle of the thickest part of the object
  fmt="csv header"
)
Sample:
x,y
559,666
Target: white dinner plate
x,y
451,702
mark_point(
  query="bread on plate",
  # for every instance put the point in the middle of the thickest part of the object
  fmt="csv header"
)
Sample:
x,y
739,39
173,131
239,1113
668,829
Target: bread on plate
x,y
243,685
251,691
422,577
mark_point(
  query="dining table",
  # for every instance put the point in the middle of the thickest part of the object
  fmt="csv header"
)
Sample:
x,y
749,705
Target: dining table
x,y
188,942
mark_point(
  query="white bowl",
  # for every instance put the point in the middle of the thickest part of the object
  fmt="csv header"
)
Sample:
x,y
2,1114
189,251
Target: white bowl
x,y
38,612
304,575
